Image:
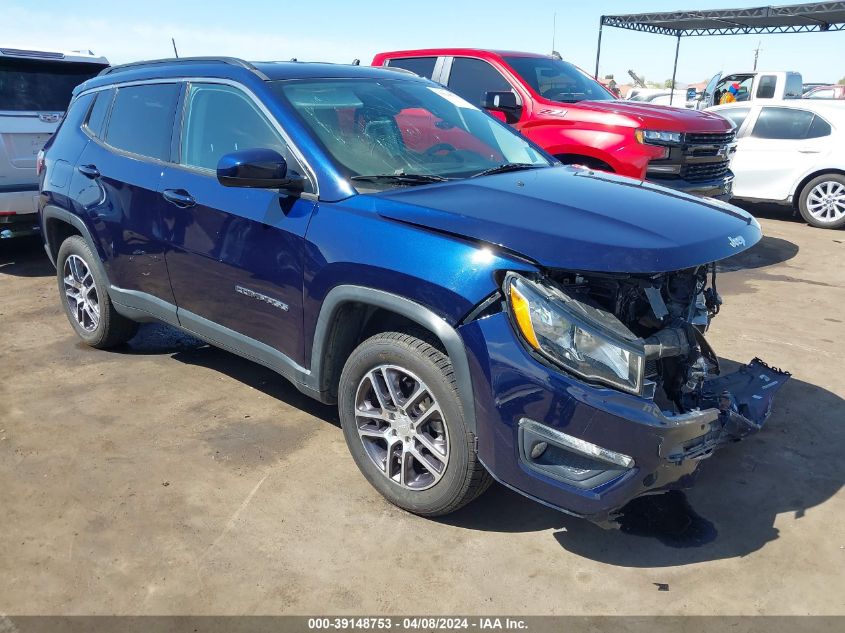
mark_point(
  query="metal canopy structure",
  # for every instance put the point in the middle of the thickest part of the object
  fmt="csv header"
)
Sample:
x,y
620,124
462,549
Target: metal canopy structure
x,y
793,18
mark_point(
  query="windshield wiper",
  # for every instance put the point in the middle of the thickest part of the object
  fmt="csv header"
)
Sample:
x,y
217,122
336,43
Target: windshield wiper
x,y
410,179
505,167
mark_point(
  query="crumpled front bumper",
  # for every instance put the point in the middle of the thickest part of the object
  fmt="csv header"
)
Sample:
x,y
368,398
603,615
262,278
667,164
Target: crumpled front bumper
x,y
602,447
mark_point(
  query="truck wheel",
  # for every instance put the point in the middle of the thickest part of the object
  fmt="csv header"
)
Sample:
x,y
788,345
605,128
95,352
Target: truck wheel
x,y
83,289
822,201
405,427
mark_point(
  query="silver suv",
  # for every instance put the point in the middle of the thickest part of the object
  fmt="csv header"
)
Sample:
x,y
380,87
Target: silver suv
x,y
35,90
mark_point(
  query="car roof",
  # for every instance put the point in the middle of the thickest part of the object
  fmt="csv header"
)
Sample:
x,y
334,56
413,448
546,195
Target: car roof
x,y
52,54
233,68
833,107
458,52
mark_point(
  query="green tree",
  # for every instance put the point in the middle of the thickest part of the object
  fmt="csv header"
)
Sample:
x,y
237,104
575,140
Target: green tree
x,y
842,82
667,83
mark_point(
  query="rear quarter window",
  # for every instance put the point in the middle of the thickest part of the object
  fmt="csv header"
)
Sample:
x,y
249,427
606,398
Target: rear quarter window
x,y
40,86
141,119
97,115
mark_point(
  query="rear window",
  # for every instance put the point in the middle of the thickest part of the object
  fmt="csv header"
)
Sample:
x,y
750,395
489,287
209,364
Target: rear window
x,y
32,85
422,66
141,119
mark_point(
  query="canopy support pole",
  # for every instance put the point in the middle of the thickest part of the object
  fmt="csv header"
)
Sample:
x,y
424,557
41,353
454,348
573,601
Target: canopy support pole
x,y
598,48
674,69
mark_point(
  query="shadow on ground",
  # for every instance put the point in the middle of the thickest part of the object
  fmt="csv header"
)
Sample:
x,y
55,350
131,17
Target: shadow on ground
x,y
767,252
24,257
160,339
793,465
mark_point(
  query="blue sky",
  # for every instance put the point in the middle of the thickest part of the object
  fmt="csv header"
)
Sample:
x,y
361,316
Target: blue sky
x,y
339,31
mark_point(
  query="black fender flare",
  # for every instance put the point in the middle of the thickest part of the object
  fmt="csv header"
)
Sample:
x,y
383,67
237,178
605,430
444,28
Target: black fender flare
x,y
52,212
448,336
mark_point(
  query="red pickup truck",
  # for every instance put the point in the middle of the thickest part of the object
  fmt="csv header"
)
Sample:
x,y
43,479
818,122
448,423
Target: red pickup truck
x,y
564,110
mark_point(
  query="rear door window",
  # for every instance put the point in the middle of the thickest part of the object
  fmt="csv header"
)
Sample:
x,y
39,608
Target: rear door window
x,y
789,124
40,86
472,78
141,119
766,87
422,66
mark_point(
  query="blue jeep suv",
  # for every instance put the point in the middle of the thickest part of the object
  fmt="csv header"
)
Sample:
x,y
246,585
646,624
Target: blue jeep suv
x,y
476,309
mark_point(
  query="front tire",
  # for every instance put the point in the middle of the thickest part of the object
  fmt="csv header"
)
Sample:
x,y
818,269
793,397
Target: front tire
x,y
83,289
405,427
822,201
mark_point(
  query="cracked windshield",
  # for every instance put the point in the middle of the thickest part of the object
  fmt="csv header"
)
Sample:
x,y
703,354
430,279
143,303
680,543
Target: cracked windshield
x,y
396,133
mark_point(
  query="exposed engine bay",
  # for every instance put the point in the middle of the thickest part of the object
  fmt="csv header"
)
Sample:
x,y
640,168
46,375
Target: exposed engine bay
x,y
668,314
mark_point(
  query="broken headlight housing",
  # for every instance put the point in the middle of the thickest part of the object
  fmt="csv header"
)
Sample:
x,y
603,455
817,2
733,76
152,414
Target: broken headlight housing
x,y
582,339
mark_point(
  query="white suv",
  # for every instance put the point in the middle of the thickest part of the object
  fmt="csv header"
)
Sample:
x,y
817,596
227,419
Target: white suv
x,y
35,89
791,152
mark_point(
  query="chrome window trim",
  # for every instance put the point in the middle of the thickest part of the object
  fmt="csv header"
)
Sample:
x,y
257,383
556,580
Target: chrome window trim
x,y
312,174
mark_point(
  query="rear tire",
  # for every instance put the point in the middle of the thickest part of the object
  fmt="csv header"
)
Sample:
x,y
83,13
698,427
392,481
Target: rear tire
x,y
822,201
405,427
83,289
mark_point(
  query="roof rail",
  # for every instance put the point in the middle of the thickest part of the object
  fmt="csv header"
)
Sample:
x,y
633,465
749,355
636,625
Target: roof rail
x,y
232,61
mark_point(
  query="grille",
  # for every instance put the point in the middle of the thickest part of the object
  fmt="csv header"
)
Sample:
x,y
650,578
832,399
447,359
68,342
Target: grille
x,y
697,172
701,138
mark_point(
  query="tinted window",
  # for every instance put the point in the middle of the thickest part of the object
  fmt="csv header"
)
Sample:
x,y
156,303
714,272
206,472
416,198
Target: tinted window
x,y
221,119
40,85
472,78
97,115
789,124
141,121
818,128
558,80
766,88
422,66
735,115
794,88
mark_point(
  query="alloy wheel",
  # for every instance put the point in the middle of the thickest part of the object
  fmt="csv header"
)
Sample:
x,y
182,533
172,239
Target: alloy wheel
x,y
402,427
81,292
826,201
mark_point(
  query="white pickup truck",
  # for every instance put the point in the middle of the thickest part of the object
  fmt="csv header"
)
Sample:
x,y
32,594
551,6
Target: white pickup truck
x,y
750,86
35,90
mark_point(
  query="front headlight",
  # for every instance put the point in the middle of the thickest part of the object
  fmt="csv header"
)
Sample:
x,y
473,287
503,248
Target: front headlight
x,y
656,137
589,342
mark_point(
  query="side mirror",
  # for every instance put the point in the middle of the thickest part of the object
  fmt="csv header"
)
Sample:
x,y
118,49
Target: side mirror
x,y
505,102
258,168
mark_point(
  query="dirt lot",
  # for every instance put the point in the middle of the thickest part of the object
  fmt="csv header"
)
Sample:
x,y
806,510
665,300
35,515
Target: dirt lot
x,y
173,478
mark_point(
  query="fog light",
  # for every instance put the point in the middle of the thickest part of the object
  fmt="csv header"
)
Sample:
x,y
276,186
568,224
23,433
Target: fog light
x,y
538,449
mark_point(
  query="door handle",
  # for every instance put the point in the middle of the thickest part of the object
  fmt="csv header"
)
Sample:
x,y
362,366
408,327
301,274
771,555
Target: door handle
x,y
809,151
89,171
179,198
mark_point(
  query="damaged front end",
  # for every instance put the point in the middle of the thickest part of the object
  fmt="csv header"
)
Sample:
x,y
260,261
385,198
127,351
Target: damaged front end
x,y
644,334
